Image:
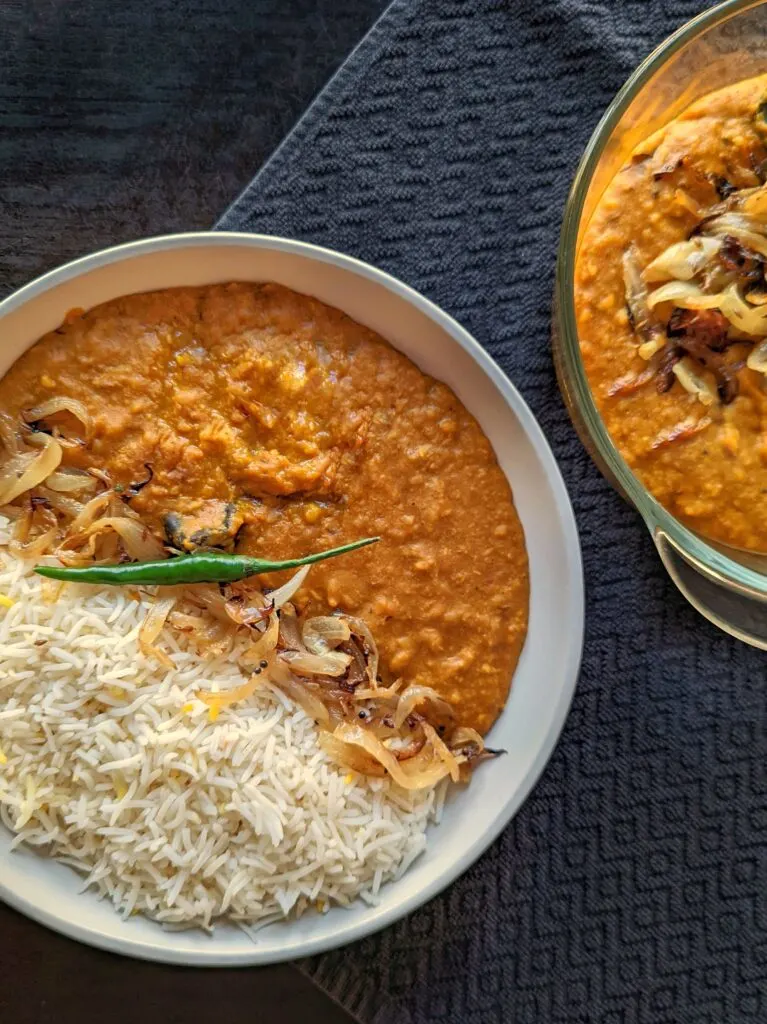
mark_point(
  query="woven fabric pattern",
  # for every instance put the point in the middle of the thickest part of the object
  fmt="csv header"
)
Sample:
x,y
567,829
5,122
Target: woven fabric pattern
x,y
627,890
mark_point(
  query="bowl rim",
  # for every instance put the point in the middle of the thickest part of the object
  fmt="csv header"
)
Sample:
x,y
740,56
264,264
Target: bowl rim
x,y
697,551
571,640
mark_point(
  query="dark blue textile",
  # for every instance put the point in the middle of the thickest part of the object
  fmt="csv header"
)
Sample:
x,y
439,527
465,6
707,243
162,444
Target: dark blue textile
x,y
629,889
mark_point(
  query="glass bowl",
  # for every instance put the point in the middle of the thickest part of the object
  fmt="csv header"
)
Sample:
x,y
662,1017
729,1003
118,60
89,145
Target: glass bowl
x,y
721,46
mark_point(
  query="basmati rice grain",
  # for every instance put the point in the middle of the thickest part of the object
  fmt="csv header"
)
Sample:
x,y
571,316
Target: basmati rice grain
x,y
111,763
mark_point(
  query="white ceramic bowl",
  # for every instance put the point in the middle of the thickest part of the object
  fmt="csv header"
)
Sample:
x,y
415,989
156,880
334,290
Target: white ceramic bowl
x,y
545,678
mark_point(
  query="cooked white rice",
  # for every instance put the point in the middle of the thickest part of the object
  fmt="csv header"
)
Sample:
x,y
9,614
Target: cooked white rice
x,y
109,763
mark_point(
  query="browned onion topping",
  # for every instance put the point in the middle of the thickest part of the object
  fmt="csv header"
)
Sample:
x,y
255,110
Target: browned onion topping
x,y
738,259
706,295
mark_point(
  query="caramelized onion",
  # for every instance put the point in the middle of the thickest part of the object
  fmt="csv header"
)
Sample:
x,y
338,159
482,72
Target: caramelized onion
x,y
468,742
71,481
324,633
226,697
470,749
413,697
137,540
68,506
100,474
210,636
334,663
139,543
25,547
12,512
693,381
266,643
16,479
648,349
757,358
684,294
290,634
208,596
440,749
187,623
682,260
151,629
87,556
747,230
9,434
281,676
418,773
35,548
348,756
636,294
23,524
749,319
283,594
405,746
379,692
57,405
246,605
90,512
361,629
754,202
16,465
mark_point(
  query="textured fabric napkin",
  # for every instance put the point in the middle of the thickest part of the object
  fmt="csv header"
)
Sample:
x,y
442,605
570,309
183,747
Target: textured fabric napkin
x,y
630,887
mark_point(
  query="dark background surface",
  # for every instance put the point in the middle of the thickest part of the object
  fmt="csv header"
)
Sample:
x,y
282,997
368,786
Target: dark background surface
x,y
120,120
630,888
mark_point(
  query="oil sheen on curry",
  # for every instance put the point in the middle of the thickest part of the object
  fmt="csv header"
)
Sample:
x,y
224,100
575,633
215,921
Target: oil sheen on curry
x,y
260,420
671,303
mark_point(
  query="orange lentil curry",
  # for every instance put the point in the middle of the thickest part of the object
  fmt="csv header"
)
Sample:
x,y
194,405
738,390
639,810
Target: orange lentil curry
x,y
268,422
671,303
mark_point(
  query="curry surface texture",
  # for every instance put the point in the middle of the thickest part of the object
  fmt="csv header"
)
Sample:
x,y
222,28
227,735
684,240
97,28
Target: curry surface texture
x,y
321,433
713,477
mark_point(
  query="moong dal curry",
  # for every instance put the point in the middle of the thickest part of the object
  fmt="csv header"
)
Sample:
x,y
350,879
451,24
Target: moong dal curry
x,y
671,305
250,418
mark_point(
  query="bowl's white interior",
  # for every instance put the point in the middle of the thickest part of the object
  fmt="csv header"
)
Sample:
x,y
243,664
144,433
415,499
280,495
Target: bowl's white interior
x,y
547,671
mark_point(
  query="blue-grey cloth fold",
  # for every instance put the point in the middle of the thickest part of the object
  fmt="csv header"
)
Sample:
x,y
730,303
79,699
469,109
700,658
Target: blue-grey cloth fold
x,y
629,889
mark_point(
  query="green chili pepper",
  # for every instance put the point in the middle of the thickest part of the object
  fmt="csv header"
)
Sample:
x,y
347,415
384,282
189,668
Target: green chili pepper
x,y
200,567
